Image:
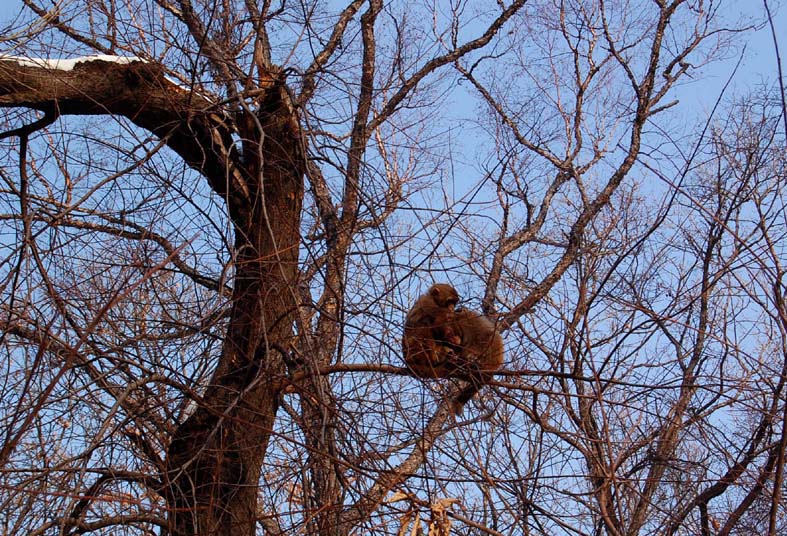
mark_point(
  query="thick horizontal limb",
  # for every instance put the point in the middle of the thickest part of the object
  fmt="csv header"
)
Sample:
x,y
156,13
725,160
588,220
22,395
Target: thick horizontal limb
x,y
189,123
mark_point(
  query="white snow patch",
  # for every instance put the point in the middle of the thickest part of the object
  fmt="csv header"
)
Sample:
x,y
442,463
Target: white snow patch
x,y
68,65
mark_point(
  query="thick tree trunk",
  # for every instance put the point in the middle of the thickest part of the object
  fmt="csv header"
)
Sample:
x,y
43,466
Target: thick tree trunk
x,y
215,458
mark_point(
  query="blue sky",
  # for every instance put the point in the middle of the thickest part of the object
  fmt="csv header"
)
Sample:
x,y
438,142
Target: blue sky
x,y
757,66
759,62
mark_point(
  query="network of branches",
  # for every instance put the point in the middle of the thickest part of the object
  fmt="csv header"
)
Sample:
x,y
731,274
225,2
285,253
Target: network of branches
x,y
215,216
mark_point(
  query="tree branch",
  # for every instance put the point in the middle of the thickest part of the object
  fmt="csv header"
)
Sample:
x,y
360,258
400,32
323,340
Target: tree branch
x,y
139,91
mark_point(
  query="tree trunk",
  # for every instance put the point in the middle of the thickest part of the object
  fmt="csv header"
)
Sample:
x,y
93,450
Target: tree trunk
x,y
215,458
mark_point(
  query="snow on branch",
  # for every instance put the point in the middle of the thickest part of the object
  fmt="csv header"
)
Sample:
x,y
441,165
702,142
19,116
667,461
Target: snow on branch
x,y
69,64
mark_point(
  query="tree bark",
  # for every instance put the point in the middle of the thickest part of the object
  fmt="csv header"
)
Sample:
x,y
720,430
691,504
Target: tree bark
x,y
215,459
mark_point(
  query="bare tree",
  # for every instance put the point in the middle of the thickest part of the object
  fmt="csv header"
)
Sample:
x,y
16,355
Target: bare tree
x,y
217,212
